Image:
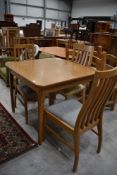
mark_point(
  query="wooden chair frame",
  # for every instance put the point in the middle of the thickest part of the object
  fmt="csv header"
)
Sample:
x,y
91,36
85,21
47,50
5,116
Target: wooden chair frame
x,y
111,61
90,115
81,54
21,95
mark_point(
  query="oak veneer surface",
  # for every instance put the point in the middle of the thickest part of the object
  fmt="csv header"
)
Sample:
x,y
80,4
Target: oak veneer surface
x,y
57,51
49,71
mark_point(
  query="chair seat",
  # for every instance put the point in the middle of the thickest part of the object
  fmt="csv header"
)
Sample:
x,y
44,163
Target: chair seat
x,y
67,110
45,55
3,72
73,90
31,95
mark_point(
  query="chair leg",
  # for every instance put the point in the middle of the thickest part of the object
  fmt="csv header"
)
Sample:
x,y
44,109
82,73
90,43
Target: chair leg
x,y
52,97
26,109
44,125
99,128
83,95
76,152
7,80
114,101
15,97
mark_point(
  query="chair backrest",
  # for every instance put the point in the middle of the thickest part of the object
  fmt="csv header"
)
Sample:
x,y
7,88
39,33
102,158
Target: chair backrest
x,y
111,61
82,54
9,34
99,62
70,47
91,111
98,51
105,61
24,51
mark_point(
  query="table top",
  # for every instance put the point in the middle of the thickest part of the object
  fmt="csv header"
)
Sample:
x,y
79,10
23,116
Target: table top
x,y
49,71
54,50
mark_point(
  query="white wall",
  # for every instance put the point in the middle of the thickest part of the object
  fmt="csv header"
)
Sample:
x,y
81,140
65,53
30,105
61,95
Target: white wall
x,y
2,10
23,21
57,10
93,8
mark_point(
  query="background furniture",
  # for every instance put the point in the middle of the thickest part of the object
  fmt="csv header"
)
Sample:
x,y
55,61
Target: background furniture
x,y
32,29
8,17
8,34
54,50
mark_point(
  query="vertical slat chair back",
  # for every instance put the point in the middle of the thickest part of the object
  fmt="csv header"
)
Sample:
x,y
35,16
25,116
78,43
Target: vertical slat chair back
x,y
82,54
69,49
101,90
111,62
24,51
100,61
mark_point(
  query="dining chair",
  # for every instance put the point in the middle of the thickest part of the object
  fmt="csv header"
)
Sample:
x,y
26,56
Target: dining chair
x,y
111,61
22,91
3,70
24,51
76,119
106,62
81,54
99,61
8,37
72,45
69,48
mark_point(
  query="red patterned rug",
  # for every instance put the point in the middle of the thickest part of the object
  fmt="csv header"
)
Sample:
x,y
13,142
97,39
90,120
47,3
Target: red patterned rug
x,y
13,139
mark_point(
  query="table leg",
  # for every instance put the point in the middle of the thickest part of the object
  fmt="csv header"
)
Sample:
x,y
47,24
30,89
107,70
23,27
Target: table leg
x,y
11,92
52,97
41,128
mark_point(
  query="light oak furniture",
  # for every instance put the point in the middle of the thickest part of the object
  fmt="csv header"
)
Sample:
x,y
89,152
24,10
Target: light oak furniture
x,y
99,63
24,51
69,49
106,61
76,119
70,46
18,52
54,50
23,92
47,76
99,60
9,34
81,54
111,61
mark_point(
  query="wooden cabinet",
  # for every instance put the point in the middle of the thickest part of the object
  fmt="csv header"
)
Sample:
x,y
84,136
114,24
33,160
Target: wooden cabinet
x,y
26,40
101,39
107,40
102,26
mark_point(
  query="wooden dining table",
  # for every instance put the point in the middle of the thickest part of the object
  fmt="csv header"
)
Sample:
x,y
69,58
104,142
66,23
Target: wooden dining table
x,y
54,50
62,42
46,76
